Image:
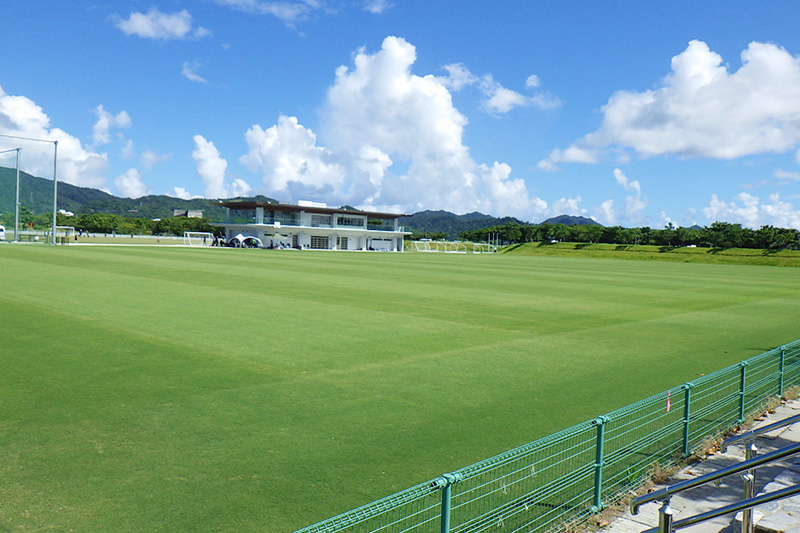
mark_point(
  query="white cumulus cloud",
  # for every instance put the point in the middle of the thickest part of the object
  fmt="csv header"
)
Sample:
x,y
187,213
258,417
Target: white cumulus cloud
x,y
150,158
568,206
211,168
105,121
634,203
189,71
502,100
703,110
786,176
21,117
412,122
377,6
127,151
533,81
606,214
182,193
289,11
130,185
389,140
749,211
161,26
290,161
497,99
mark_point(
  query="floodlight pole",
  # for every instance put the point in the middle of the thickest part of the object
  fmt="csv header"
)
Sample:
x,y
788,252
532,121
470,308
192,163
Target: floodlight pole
x,y
55,189
16,204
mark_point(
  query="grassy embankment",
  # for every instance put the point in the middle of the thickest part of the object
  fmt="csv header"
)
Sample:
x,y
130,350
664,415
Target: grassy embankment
x,y
739,256
218,389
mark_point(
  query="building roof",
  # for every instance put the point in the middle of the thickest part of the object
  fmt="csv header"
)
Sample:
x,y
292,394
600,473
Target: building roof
x,y
297,208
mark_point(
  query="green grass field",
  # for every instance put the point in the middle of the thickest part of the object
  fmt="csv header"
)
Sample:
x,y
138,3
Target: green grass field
x,y
156,389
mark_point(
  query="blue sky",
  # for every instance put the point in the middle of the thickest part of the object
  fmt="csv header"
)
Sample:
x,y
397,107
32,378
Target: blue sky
x,y
632,113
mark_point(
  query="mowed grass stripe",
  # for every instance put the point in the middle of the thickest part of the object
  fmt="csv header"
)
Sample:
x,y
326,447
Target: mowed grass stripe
x,y
233,389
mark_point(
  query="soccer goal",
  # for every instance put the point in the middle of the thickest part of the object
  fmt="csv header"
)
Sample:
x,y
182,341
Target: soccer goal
x,y
422,246
64,234
483,248
198,238
65,231
447,247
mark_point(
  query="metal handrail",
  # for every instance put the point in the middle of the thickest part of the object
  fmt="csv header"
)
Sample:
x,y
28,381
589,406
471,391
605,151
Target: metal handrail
x,y
749,435
665,493
734,507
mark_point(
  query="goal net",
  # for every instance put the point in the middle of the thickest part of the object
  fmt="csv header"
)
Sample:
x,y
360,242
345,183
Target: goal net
x,y
483,248
63,234
447,247
65,231
198,238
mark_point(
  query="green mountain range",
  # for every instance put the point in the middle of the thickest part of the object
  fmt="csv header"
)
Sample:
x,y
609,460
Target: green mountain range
x,y
36,194
427,222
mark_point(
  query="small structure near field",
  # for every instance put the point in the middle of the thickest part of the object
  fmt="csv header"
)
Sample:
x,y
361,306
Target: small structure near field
x,y
243,241
188,213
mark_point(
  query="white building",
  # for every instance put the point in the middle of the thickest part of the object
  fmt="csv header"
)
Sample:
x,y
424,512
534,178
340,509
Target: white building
x,y
310,225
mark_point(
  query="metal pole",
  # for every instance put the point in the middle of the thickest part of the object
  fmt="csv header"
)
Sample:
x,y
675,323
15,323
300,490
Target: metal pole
x,y
665,516
16,204
742,390
687,399
55,179
666,492
600,422
447,481
749,479
781,371
55,189
446,508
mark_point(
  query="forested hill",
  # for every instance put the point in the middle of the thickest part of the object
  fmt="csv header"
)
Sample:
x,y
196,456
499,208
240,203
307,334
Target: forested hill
x,y
36,194
437,222
569,220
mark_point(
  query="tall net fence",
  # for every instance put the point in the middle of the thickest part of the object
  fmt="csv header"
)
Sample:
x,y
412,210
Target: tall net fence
x,y
565,477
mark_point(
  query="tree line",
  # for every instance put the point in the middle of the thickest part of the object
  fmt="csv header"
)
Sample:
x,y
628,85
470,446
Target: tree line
x,y
109,223
718,235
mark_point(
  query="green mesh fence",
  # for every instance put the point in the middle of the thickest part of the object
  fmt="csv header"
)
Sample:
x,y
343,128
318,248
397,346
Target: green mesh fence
x,y
565,477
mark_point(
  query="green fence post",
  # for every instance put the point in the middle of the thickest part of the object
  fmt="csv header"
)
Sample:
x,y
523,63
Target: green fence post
x,y
600,422
446,482
742,389
780,372
687,402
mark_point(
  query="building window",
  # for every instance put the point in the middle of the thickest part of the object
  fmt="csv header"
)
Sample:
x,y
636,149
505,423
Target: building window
x,y
357,222
319,242
287,219
341,243
380,225
294,241
321,221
